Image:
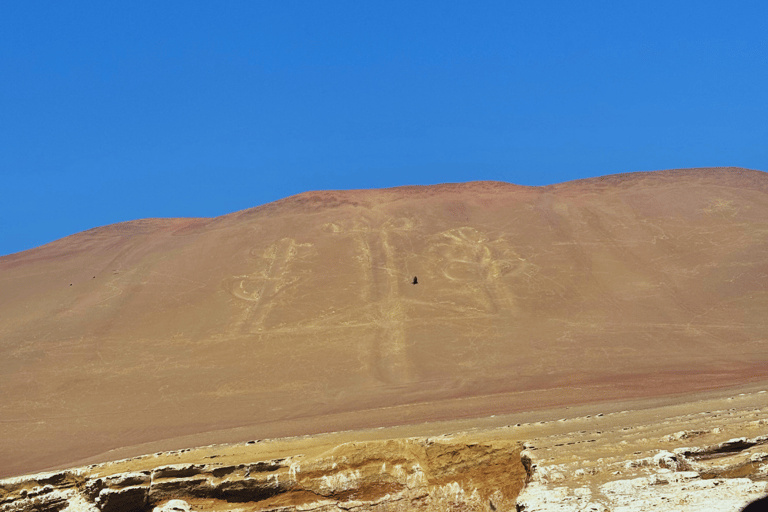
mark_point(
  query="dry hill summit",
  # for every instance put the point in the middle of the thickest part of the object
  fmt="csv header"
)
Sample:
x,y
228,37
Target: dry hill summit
x,y
346,310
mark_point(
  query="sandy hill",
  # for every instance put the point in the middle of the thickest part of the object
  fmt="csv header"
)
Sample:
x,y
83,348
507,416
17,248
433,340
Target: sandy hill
x,y
300,315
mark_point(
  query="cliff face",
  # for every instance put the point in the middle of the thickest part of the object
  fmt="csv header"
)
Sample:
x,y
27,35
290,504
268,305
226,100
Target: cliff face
x,y
696,455
705,456
395,475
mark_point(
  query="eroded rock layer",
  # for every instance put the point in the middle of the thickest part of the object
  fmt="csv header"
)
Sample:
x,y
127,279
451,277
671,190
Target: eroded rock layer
x,y
692,455
394,475
687,460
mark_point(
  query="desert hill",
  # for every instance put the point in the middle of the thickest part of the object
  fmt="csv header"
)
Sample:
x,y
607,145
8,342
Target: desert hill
x,y
300,315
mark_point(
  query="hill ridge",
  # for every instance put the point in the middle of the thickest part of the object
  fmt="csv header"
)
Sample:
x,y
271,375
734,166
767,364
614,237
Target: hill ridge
x,y
300,310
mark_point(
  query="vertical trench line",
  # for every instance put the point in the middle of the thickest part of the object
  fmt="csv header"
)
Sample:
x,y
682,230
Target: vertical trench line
x,y
393,354
365,259
367,345
279,261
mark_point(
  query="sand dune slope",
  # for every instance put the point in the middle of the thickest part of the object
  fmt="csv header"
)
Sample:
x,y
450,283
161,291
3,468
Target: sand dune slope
x,y
301,315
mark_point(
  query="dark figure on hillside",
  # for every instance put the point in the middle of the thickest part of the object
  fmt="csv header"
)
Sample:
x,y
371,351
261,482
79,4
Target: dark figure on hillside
x,y
415,281
760,505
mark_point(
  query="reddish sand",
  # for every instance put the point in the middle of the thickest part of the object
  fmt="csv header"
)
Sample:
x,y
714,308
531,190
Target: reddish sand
x,y
299,316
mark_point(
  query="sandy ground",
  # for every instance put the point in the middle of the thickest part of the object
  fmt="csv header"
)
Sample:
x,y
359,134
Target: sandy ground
x,y
299,317
696,451
584,432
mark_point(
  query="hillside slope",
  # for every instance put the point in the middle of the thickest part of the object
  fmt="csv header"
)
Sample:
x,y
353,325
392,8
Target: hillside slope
x,y
301,315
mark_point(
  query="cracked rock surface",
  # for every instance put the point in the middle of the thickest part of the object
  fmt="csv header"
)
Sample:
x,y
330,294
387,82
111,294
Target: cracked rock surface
x,y
398,474
613,462
684,455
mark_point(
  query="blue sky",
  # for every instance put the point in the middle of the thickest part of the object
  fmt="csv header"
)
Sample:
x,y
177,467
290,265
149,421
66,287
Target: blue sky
x,y
113,111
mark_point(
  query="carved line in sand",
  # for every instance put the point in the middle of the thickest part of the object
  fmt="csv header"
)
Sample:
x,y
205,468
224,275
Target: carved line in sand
x,y
722,207
464,256
384,352
480,266
390,349
272,276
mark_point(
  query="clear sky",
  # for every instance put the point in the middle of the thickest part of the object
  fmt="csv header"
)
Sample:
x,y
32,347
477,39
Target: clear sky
x,y
113,111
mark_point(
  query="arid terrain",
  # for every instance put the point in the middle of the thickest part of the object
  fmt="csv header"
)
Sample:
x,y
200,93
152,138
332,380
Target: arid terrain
x,y
666,454
642,297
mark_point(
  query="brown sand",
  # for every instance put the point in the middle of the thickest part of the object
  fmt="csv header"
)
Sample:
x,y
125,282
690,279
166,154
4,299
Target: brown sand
x,y
300,317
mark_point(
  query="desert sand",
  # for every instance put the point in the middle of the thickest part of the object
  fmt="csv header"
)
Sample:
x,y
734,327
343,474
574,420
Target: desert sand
x,y
300,316
704,451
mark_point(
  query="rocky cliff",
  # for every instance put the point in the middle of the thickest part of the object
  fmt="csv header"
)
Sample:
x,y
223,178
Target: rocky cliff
x,y
682,456
394,475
